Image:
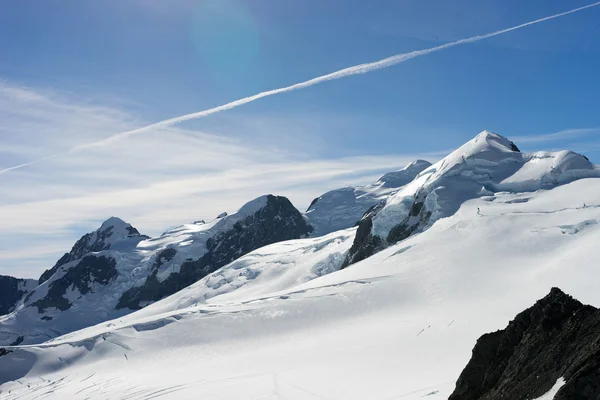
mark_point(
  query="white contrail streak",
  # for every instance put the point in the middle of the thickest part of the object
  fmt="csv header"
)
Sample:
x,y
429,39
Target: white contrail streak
x,y
354,70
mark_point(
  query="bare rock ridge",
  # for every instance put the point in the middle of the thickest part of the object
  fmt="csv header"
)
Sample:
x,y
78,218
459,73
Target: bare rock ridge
x,y
276,221
114,270
12,290
557,338
102,239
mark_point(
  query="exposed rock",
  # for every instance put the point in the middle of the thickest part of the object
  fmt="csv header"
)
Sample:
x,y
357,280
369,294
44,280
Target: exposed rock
x,y
276,221
343,208
556,338
102,239
366,243
18,341
12,291
82,277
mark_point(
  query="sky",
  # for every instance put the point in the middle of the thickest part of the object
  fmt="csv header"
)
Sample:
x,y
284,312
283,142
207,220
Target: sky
x,y
74,73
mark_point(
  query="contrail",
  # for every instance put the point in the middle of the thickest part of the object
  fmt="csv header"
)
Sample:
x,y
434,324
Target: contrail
x,y
354,70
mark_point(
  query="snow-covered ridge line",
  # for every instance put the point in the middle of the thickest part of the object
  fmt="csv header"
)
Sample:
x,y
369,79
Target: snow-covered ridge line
x,y
408,315
115,270
487,164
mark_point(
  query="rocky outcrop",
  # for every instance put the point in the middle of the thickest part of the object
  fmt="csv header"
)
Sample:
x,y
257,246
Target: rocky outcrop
x,y
275,221
82,277
557,338
342,208
102,239
12,291
366,243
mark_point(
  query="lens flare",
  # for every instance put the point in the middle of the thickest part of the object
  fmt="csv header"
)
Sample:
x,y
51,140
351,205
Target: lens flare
x,y
225,37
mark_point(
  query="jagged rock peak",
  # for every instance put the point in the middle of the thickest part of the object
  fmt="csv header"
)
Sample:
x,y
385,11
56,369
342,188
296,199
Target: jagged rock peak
x,y
557,338
111,231
262,221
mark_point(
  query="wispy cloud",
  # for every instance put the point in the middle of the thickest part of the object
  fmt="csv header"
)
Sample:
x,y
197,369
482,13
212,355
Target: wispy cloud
x,y
166,177
343,73
556,136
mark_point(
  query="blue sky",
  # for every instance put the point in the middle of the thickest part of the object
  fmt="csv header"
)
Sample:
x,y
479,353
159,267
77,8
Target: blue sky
x,y
74,72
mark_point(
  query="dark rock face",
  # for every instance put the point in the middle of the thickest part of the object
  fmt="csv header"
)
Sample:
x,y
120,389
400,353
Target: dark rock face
x,y
89,271
88,243
556,338
366,243
11,291
278,220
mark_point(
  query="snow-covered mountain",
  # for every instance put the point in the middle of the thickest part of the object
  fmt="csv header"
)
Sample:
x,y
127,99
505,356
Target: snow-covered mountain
x,y
12,291
342,208
486,165
115,270
264,272
112,231
497,229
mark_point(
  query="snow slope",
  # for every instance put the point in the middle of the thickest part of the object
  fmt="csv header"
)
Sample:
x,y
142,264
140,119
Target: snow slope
x,y
398,325
487,164
342,208
263,272
114,270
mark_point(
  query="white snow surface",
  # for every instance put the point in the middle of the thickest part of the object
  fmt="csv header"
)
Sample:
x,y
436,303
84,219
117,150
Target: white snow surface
x,y
263,272
135,256
342,208
550,395
398,325
481,166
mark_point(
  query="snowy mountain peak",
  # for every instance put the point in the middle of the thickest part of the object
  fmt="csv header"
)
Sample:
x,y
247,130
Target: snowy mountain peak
x,y
487,164
118,226
485,148
254,205
110,232
487,140
399,178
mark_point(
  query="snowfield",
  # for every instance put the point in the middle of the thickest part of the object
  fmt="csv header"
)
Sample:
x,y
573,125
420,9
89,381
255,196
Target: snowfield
x,y
399,325
284,322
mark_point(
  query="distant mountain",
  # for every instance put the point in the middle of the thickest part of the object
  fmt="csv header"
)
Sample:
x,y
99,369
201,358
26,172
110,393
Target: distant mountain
x,y
553,344
12,290
474,240
487,164
267,270
342,208
112,231
263,221
114,270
